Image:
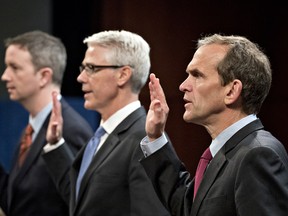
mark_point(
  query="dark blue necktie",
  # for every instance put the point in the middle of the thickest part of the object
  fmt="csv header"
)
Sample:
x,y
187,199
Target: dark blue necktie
x,y
88,155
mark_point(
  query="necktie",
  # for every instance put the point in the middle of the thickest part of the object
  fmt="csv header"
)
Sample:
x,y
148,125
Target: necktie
x,y
25,144
204,161
88,155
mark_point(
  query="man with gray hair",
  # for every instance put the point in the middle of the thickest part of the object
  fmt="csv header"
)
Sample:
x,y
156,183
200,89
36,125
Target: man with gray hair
x,y
113,72
227,81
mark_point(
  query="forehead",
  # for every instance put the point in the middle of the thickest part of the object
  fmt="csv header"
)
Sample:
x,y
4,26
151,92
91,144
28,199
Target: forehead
x,y
17,53
207,57
96,54
16,48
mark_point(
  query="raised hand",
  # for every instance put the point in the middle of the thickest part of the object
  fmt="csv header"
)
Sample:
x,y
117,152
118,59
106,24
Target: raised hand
x,y
158,110
55,127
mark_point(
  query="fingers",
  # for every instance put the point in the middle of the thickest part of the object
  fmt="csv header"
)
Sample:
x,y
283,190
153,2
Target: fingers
x,y
54,131
56,105
158,110
157,93
153,86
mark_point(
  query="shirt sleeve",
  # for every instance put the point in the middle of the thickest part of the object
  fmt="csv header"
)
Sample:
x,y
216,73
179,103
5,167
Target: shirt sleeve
x,y
49,147
149,148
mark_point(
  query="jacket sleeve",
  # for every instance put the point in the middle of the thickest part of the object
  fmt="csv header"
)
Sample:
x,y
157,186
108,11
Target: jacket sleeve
x,y
58,162
169,178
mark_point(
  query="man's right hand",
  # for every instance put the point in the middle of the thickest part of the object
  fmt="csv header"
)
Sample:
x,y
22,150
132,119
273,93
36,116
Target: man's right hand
x,y
55,127
158,110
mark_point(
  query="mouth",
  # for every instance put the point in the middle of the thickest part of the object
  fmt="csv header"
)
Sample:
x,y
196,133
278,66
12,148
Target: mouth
x,y
86,92
10,89
186,102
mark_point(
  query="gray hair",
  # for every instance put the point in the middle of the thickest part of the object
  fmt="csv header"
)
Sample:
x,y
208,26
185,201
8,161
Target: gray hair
x,y
127,48
246,62
45,50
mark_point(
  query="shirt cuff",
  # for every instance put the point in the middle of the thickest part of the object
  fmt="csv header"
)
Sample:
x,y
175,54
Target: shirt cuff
x,y
149,148
49,147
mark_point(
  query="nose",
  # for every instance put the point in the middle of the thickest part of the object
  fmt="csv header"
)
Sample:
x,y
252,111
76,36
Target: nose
x,y
182,86
81,77
5,76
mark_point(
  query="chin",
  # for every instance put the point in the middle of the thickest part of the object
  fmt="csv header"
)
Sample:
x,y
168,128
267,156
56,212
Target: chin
x,y
13,98
89,106
187,118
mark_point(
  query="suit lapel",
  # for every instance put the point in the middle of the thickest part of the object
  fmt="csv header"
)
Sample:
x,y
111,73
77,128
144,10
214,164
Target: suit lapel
x,y
36,147
111,142
219,161
241,134
17,174
103,153
210,175
34,151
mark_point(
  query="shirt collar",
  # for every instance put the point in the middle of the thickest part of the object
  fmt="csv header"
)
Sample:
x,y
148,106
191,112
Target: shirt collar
x,y
225,135
113,121
37,121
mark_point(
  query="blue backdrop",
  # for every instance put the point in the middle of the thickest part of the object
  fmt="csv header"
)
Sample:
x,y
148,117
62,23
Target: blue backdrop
x,y
13,119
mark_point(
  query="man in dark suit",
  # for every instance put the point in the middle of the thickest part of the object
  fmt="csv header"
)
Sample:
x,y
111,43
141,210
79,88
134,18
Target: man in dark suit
x,y
115,68
35,64
228,79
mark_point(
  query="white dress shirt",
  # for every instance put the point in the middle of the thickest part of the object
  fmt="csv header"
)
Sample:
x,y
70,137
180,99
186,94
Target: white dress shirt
x,y
109,125
149,148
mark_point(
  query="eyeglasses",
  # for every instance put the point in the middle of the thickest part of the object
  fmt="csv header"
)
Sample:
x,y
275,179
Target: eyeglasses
x,y
90,68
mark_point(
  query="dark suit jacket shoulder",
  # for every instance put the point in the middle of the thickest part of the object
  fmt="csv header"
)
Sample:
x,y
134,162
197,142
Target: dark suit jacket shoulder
x,y
30,189
76,130
115,182
249,171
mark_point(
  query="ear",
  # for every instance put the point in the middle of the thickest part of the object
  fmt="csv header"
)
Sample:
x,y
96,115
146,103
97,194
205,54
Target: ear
x,y
124,75
233,93
45,76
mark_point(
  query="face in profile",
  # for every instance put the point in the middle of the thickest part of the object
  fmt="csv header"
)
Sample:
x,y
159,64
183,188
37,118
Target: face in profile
x,y
21,79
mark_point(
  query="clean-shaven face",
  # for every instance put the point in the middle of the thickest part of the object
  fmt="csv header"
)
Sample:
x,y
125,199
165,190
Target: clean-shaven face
x,y
22,81
100,88
203,92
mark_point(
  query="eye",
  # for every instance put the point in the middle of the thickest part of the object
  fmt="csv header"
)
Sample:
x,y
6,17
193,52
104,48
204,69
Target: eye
x,y
196,74
13,67
90,67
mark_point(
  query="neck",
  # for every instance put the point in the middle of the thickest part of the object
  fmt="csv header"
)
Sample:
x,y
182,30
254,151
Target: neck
x,y
35,103
220,123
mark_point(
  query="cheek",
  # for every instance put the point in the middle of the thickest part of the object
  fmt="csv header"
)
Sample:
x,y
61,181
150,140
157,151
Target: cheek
x,y
27,83
25,89
215,101
209,97
103,89
104,85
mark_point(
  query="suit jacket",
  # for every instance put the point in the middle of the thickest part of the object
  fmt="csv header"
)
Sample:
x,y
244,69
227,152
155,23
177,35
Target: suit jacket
x,y
29,190
247,177
115,183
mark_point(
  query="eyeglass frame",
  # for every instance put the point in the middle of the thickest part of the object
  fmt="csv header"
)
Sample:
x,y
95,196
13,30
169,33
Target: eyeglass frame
x,y
91,68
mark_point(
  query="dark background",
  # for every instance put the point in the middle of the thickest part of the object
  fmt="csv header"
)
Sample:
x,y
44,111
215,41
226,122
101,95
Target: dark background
x,y
171,28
